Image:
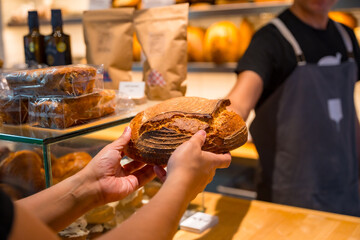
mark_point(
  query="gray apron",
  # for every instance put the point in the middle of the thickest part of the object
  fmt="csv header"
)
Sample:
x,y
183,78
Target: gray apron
x,y
308,158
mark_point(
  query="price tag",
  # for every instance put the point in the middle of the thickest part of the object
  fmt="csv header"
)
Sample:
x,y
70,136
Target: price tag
x,y
157,3
133,89
199,222
99,4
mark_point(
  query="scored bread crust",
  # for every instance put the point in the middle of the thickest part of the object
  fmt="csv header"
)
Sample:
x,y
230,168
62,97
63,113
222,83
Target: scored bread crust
x,y
159,130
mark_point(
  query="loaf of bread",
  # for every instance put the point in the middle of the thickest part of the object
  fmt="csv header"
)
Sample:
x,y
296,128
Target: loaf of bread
x,y
69,164
23,168
14,110
69,111
61,80
159,130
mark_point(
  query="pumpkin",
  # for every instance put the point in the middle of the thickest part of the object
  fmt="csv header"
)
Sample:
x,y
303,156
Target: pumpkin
x,y
245,34
344,18
221,43
136,49
195,43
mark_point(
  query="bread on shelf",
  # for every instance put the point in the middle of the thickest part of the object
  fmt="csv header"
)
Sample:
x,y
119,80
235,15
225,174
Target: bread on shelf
x,y
24,169
69,164
14,109
61,80
69,111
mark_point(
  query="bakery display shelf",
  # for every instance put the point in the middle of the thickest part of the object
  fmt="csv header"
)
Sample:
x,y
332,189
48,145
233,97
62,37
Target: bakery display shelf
x,y
200,67
40,136
221,10
199,12
37,135
66,20
45,137
238,8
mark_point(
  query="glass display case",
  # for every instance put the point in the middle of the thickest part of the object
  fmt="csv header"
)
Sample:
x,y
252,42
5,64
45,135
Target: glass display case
x,y
25,141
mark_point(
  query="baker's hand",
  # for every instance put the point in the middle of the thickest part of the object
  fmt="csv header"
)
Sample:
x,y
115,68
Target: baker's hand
x,y
111,180
192,166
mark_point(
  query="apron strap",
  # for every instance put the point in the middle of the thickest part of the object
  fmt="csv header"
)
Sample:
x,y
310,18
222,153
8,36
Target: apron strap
x,y
291,39
346,39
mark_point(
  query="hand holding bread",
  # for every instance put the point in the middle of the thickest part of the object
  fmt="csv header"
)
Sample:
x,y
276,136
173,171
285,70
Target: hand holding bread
x,y
192,167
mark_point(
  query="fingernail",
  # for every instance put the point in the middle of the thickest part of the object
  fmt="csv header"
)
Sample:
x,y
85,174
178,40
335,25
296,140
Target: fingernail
x,y
202,132
127,130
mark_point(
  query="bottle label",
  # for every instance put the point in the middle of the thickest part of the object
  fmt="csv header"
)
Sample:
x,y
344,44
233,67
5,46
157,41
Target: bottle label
x,y
54,57
32,47
61,47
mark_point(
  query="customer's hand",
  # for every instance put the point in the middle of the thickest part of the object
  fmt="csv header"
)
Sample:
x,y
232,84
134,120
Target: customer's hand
x,y
113,181
192,166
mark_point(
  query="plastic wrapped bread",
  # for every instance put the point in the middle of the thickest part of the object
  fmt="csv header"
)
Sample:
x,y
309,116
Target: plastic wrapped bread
x,y
13,109
72,80
63,112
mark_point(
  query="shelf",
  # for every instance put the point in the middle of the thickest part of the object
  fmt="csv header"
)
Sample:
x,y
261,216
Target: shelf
x,y
205,11
44,136
223,10
66,20
199,67
238,8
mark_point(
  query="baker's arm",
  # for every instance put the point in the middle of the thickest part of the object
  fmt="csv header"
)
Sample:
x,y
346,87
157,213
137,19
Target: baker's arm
x,y
245,93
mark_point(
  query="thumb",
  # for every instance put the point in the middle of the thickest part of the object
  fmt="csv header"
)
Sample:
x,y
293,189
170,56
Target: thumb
x,y
122,140
199,137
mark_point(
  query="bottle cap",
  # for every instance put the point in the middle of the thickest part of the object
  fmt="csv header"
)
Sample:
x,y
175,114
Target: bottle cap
x,y
33,20
56,19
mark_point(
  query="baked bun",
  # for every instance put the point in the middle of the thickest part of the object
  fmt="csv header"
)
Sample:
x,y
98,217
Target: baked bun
x,y
23,168
69,164
159,130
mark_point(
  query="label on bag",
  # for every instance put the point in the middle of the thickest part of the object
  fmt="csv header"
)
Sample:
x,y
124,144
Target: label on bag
x,y
199,222
99,4
133,89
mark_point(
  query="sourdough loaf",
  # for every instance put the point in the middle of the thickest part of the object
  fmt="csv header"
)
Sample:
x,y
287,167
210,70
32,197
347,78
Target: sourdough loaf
x,y
159,130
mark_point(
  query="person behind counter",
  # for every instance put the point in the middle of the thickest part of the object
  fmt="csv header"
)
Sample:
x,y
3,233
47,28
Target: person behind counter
x,y
299,74
104,180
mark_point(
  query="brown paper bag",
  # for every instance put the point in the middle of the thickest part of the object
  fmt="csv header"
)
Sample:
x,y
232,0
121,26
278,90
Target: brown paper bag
x,y
162,35
108,37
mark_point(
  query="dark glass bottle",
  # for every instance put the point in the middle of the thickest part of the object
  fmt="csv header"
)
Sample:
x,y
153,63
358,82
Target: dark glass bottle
x,y
34,42
58,51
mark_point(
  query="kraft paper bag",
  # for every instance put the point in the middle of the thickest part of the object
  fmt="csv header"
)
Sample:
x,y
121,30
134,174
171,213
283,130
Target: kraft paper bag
x,y
108,37
162,34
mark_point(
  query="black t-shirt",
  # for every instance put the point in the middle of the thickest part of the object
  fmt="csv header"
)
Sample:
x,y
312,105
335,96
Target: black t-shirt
x,y
6,215
272,57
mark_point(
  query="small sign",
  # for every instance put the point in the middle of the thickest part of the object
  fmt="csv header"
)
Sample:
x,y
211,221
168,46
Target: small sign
x,y
157,3
133,89
99,4
199,222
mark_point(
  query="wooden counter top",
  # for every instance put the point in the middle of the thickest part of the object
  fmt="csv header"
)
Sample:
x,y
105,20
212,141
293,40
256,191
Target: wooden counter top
x,y
243,219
